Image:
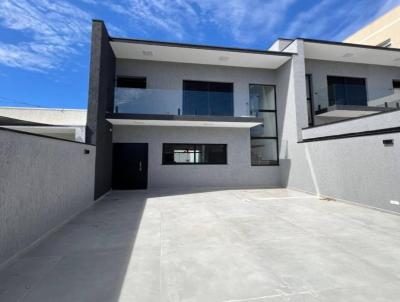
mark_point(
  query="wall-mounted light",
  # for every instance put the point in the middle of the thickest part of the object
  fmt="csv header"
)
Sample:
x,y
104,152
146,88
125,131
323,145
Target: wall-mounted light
x,y
388,142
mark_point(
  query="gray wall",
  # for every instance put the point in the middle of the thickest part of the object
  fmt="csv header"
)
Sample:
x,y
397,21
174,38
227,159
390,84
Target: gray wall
x,y
238,171
379,79
169,78
358,169
101,97
43,182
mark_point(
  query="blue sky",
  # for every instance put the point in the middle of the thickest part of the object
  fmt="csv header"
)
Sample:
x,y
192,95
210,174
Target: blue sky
x,y
44,44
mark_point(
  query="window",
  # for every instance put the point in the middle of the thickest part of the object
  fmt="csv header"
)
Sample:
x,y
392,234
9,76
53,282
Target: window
x,y
264,138
347,91
131,82
387,43
207,98
194,154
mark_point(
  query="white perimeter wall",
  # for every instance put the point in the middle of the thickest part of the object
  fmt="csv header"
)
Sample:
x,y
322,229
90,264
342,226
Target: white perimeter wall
x,y
43,182
237,173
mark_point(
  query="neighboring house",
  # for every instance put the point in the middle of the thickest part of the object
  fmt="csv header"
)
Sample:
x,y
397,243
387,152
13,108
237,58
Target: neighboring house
x,y
169,114
67,124
384,31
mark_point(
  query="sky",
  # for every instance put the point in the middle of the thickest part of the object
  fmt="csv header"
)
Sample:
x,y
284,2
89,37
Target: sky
x,y
45,45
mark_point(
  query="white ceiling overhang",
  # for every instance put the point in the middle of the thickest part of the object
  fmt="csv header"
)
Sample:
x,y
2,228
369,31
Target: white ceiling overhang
x,y
352,53
197,54
182,123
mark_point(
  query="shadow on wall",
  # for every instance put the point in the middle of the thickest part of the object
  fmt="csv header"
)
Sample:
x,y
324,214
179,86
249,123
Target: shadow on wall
x,y
282,99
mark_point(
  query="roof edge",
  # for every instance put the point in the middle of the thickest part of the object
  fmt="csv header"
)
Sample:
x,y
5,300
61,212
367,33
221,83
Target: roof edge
x,y
316,41
199,46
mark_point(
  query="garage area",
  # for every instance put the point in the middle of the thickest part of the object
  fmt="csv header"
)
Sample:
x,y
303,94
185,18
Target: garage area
x,y
213,245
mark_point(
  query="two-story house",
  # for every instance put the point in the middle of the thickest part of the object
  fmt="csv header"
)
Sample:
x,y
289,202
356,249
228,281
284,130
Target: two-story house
x,y
169,114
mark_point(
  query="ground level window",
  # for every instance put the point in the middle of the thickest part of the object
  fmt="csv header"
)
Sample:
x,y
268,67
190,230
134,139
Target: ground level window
x,y
264,151
194,154
264,138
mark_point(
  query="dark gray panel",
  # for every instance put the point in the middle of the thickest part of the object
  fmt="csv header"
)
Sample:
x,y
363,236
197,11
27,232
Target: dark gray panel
x,y
101,98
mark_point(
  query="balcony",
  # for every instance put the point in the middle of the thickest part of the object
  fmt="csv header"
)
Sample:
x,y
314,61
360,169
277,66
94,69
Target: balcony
x,y
147,101
339,102
177,107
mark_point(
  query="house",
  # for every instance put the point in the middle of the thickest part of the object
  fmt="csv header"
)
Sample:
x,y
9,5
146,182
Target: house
x,y
169,114
383,31
69,124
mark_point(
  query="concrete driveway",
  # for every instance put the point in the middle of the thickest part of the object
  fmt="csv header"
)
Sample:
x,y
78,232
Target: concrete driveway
x,y
214,245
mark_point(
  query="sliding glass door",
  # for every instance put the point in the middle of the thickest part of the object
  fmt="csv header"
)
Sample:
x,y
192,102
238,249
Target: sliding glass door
x,y
207,98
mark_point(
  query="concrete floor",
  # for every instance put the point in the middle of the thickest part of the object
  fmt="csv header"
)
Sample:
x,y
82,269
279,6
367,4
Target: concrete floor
x,y
223,245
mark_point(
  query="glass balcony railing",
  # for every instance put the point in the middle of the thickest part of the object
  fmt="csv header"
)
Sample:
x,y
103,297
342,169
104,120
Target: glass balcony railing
x,y
147,101
170,102
379,99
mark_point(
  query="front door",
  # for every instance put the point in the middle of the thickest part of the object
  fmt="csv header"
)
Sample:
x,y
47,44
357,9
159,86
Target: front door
x,y
129,166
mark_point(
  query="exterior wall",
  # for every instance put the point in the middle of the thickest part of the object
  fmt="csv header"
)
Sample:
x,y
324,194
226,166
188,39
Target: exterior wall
x,y
101,98
238,172
43,182
367,123
385,27
379,79
292,117
358,169
49,116
70,133
170,76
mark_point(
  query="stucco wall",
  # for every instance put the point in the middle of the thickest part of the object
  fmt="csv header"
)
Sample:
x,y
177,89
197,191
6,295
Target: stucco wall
x,y
43,182
169,78
358,169
238,171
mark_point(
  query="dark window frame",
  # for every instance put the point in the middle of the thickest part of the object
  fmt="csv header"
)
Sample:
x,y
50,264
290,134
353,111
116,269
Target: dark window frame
x,y
164,162
131,77
330,102
207,82
276,138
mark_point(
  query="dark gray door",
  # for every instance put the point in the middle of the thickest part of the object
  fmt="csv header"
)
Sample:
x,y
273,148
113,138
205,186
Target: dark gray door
x,y
129,166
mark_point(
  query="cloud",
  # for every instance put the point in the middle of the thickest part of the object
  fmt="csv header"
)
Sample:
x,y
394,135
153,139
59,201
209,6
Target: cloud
x,y
52,31
243,21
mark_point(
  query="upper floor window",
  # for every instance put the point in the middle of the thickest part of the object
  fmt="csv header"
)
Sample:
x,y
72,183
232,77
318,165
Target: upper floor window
x,y
347,91
131,82
207,98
